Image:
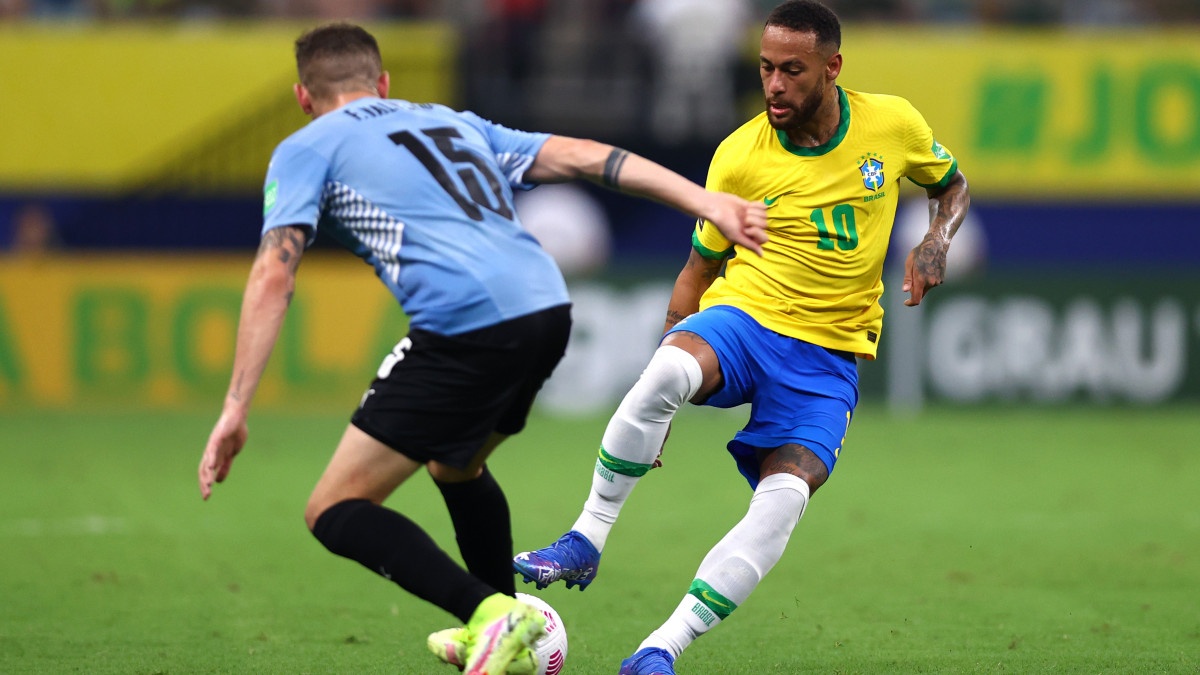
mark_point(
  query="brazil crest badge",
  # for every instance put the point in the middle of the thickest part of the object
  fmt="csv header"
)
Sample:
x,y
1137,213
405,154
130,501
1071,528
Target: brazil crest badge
x,y
872,172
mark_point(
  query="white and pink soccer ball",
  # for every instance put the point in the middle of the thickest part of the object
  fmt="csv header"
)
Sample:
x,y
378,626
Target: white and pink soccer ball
x,y
551,649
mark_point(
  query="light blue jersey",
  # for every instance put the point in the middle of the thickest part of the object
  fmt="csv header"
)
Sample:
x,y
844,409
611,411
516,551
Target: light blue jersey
x,y
424,194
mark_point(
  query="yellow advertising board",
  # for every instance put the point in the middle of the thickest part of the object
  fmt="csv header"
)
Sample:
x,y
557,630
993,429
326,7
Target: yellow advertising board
x,y
1030,113
159,331
1048,113
102,107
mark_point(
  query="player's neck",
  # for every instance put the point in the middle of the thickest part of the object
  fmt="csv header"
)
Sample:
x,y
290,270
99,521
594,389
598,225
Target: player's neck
x,y
822,127
338,100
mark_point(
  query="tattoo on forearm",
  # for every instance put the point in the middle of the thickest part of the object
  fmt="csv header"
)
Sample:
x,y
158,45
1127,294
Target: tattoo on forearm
x,y
236,393
612,167
674,317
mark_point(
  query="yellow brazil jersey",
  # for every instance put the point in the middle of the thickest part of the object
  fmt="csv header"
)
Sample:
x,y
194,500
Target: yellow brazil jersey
x,y
830,211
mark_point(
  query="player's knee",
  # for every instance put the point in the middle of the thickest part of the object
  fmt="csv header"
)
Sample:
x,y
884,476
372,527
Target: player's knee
x,y
672,377
312,513
334,526
316,507
786,494
796,460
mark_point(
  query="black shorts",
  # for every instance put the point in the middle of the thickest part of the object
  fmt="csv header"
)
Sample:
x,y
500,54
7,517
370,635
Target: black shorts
x,y
439,397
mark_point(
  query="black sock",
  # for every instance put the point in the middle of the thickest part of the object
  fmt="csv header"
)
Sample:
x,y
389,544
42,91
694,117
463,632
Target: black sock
x,y
393,546
483,529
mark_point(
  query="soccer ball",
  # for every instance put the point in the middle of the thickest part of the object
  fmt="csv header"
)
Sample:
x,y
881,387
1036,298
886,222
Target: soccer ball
x,y
570,224
551,649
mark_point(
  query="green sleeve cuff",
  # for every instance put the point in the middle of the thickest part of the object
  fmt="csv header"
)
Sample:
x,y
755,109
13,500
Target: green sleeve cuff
x,y
945,179
706,252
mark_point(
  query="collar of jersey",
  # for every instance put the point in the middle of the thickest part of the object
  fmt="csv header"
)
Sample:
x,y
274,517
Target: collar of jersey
x,y
825,147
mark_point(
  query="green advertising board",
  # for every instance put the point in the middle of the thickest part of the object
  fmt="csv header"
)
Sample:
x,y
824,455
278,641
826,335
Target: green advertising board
x,y
1043,338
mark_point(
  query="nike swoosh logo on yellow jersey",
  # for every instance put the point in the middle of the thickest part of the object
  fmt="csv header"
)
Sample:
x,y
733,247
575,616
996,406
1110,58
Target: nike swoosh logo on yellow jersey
x,y
769,201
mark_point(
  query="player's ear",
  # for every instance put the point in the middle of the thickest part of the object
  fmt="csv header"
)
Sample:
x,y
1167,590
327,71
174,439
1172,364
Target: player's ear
x,y
385,82
303,98
833,67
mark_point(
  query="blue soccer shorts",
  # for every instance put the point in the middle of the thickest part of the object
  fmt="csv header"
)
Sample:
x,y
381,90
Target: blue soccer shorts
x,y
798,392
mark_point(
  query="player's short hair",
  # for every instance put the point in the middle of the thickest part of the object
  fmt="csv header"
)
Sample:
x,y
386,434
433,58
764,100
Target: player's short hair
x,y
338,58
808,16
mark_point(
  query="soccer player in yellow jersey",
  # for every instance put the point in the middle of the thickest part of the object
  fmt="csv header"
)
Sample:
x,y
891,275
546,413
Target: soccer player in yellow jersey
x,y
781,331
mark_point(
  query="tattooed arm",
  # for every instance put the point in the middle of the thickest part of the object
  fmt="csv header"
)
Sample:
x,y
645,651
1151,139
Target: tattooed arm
x,y
926,264
562,158
268,294
698,274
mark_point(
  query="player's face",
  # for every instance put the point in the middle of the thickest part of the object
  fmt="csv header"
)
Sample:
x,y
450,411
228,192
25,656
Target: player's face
x,y
796,76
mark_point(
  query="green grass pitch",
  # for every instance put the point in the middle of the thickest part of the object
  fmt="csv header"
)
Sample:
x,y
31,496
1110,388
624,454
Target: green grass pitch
x,y
1014,540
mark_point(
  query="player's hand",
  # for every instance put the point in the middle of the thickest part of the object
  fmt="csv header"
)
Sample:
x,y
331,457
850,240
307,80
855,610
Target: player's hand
x,y
224,443
924,268
742,222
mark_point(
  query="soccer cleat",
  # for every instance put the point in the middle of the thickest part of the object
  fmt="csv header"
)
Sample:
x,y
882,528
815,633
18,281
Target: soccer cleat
x,y
649,661
572,558
450,645
500,630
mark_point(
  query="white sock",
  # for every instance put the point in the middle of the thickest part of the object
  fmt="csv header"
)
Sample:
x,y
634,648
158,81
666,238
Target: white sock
x,y
735,566
634,436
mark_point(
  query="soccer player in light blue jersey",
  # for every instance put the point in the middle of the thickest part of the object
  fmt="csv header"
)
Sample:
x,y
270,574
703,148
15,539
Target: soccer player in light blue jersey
x,y
424,195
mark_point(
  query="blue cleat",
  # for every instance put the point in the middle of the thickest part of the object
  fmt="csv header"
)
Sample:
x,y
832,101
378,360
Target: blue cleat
x,y
572,558
649,661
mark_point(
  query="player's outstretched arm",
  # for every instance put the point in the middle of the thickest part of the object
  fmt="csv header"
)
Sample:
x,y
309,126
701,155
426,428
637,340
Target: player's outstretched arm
x,y
562,158
264,305
926,264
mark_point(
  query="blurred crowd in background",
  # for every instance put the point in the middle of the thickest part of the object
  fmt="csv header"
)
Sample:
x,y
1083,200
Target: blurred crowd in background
x,y
547,12
626,69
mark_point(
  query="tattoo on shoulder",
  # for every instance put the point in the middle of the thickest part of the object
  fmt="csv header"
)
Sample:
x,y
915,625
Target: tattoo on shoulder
x,y
612,167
